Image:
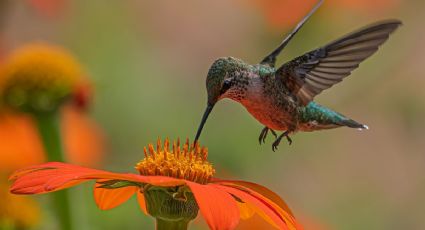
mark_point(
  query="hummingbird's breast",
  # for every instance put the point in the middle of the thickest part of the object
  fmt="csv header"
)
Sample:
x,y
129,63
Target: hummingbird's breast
x,y
268,103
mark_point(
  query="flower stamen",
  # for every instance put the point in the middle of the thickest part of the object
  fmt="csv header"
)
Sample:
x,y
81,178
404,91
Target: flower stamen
x,y
190,164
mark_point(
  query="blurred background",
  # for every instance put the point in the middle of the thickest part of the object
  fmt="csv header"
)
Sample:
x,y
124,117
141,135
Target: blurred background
x,y
148,61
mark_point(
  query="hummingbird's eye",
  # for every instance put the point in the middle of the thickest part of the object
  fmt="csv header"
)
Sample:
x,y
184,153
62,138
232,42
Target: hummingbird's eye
x,y
226,85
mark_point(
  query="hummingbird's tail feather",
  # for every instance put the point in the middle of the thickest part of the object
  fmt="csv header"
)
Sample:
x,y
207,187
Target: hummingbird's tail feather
x,y
353,124
316,117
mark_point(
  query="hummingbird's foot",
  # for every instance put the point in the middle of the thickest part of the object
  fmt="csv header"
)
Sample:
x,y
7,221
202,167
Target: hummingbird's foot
x,y
274,133
263,134
277,141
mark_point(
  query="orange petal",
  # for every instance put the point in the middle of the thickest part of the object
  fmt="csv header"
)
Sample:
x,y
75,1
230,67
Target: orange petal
x,y
269,194
245,210
142,202
217,206
48,177
111,198
19,142
265,195
83,140
54,176
264,208
254,223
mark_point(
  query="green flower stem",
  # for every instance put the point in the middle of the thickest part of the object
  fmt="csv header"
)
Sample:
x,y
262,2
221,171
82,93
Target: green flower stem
x,y
162,224
49,129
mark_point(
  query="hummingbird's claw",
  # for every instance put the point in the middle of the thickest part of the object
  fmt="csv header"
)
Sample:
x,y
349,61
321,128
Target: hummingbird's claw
x,y
276,143
278,139
274,133
263,134
289,140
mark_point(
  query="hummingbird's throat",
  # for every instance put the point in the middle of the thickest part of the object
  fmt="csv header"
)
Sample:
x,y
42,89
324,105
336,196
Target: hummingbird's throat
x,y
189,162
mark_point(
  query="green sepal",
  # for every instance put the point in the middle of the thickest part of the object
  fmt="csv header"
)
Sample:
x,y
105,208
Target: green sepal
x,y
170,203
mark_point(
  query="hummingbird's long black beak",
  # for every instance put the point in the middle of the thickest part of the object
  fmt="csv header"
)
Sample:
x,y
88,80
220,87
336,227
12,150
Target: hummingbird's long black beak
x,y
204,119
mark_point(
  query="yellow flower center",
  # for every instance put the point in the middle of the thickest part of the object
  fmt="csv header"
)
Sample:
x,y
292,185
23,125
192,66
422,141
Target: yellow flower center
x,y
39,77
188,162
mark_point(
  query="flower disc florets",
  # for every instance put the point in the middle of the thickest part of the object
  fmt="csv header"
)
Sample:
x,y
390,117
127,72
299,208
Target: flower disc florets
x,y
39,78
189,163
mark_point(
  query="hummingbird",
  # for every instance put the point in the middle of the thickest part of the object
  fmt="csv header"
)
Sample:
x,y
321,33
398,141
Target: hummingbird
x,y
281,98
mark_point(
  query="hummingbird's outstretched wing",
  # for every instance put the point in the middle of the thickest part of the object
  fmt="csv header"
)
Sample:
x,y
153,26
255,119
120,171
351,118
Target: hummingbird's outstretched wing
x,y
270,59
308,75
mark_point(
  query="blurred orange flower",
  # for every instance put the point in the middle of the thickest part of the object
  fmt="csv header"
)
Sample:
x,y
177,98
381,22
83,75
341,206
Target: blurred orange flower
x,y
49,8
376,5
83,139
38,78
20,145
17,212
283,13
177,177
287,13
19,142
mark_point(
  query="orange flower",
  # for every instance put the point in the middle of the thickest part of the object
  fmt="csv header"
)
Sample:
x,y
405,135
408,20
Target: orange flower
x,y
17,212
182,176
20,144
37,78
285,13
40,78
372,6
49,8
82,138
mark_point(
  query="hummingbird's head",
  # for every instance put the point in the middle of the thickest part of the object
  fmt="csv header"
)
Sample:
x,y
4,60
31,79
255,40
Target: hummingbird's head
x,y
220,80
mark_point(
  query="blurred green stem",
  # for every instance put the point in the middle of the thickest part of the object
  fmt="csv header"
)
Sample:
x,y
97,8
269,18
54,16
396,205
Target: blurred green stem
x,y
171,225
49,129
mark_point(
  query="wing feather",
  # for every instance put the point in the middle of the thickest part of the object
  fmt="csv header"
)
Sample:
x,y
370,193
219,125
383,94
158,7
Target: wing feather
x,y
320,69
